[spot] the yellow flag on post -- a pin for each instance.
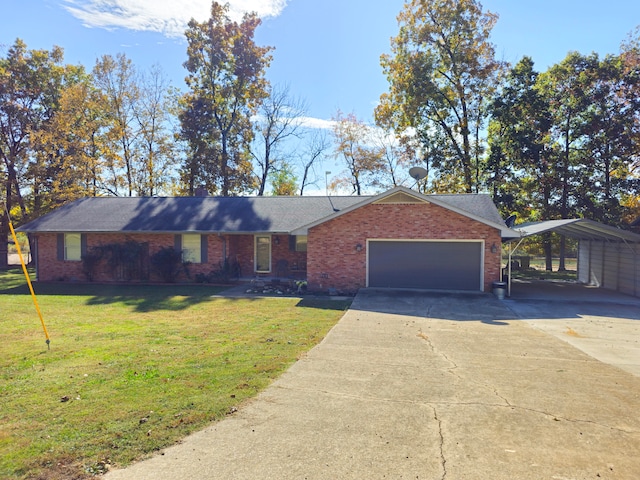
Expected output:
(26, 274)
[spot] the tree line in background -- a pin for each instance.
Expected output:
(546, 145)
(67, 133)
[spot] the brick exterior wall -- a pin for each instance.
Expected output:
(238, 247)
(333, 261)
(52, 269)
(284, 261)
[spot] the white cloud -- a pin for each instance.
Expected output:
(319, 123)
(304, 122)
(374, 135)
(169, 17)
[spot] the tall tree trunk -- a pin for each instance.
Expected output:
(466, 156)
(563, 245)
(129, 169)
(267, 166)
(225, 175)
(224, 157)
(4, 228)
(477, 156)
(4, 243)
(263, 179)
(564, 206)
(546, 242)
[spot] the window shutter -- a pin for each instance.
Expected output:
(60, 246)
(177, 242)
(204, 249)
(83, 245)
(292, 243)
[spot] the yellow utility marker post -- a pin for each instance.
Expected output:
(26, 274)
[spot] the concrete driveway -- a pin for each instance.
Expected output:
(425, 386)
(602, 323)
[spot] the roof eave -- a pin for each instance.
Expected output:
(164, 232)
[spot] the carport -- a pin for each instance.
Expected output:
(608, 257)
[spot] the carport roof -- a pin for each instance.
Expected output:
(580, 228)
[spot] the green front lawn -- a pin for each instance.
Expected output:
(133, 369)
(536, 270)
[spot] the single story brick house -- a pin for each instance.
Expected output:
(397, 239)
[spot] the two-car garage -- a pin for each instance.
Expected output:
(425, 264)
(406, 240)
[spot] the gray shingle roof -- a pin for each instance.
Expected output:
(188, 214)
(220, 214)
(479, 205)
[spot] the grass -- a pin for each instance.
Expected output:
(537, 270)
(133, 369)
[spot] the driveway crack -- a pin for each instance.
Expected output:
(504, 399)
(443, 459)
(454, 366)
(433, 403)
(443, 355)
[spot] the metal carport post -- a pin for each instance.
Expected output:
(521, 239)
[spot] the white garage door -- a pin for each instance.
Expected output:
(432, 265)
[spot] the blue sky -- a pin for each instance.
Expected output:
(326, 50)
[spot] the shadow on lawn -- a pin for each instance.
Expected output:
(150, 303)
(184, 301)
(143, 298)
(148, 298)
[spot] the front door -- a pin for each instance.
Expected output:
(263, 253)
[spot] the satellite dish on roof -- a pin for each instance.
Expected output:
(511, 220)
(418, 173)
